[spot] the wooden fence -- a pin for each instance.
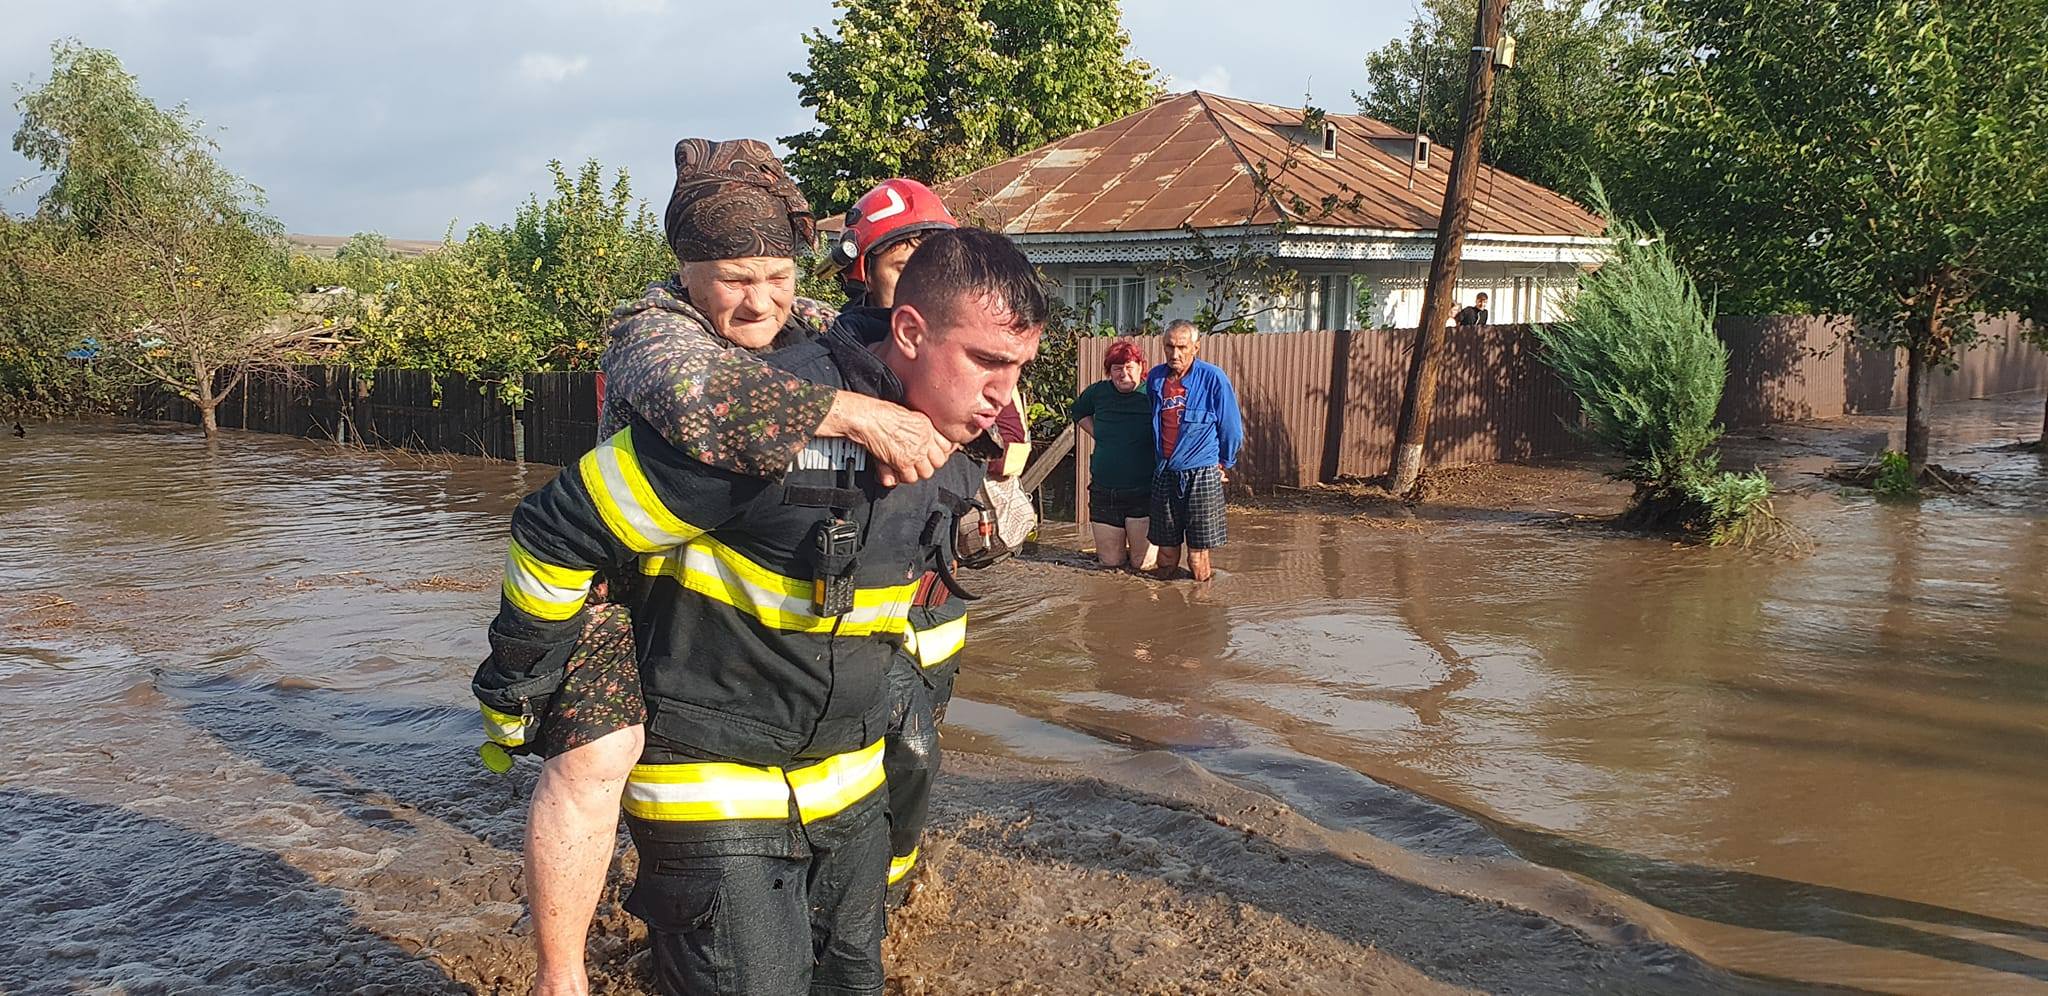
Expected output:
(408, 409)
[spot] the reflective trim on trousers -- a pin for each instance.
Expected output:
(717, 790)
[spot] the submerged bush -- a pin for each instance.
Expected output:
(1638, 349)
(1894, 477)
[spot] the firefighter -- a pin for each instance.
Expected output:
(883, 230)
(766, 616)
(681, 359)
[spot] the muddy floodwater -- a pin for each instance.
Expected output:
(238, 750)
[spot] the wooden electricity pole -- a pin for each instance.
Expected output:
(1437, 297)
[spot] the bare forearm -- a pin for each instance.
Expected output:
(902, 440)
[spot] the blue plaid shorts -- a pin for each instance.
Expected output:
(1187, 507)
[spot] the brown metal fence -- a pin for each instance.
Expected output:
(1320, 406)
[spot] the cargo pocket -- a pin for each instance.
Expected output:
(680, 902)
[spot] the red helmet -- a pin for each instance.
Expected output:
(895, 210)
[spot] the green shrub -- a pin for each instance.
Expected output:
(1638, 349)
(1894, 477)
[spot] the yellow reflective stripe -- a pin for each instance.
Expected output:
(731, 561)
(937, 645)
(709, 790)
(1015, 456)
(879, 610)
(712, 569)
(541, 589)
(779, 601)
(626, 502)
(717, 790)
(837, 782)
(503, 727)
(900, 866)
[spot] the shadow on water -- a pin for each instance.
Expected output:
(1326, 792)
(1763, 902)
(103, 898)
(379, 759)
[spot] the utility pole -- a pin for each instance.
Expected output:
(1437, 296)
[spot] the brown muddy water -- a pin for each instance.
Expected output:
(238, 733)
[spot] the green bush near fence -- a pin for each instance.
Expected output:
(1638, 349)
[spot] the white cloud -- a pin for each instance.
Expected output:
(1214, 79)
(394, 115)
(547, 67)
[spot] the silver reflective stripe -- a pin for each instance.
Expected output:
(628, 504)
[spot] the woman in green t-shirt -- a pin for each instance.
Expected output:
(1118, 413)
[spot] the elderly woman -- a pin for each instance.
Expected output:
(1118, 414)
(680, 360)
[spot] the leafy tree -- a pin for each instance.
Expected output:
(99, 138)
(45, 336)
(170, 258)
(1557, 117)
(933, 89)
(578, 255)
(458, 312)
(1886, 159)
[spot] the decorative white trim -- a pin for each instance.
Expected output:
(1114, 248)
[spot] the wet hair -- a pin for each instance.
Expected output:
(960, 263)
(913, 240)
(1121, 352)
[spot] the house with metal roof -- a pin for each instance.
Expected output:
(1188, 189)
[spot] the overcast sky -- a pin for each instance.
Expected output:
(404, 117)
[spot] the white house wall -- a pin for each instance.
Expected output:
(1519, 292)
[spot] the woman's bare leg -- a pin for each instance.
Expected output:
(1109, 544)
(1138, 531)
(572, 829)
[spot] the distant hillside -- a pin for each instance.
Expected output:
(326, 246)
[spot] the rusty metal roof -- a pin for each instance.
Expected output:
(1189, 159)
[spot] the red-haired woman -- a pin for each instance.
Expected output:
(1117, 412)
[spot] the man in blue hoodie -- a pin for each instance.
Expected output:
(1198, 429)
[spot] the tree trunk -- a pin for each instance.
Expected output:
(205, 397)
(1919, 408)
(1418, 397)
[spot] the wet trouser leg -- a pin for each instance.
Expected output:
(939, 679)
(806, 920)
(724, 924)
(849, 859)
(911, 759)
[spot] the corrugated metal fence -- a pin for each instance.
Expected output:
(1320, 406)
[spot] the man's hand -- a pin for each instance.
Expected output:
(1223, 472)
(905, 442)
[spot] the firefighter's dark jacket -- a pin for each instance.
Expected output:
(737, 661)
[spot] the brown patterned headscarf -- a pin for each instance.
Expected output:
(732, 200)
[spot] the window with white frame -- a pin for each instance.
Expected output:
(1333, 301)
(1114, 299)
(1528, 306)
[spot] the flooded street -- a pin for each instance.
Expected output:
(240, 744)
